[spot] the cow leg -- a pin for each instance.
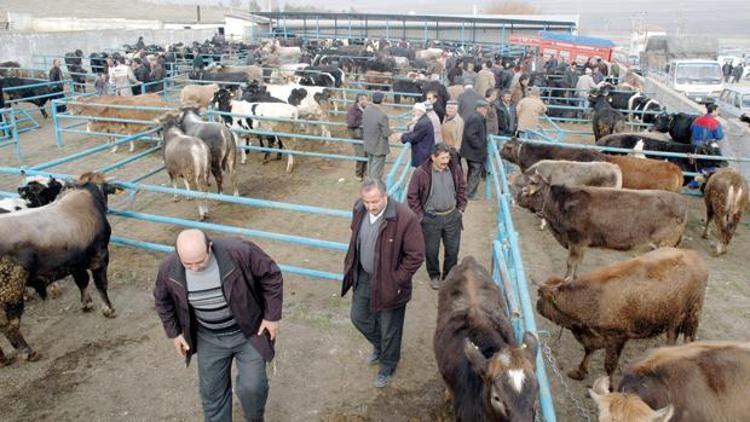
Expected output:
(112, 140)
(580, 373)
(612, 356)
(709, 218)
(243, 160)
(280, 144)
(11, 327)
(81, 277)
(575, 255)
(217, 172)
(173, 182)
(13, 280)
(289, 163)
(201, 185)
(101, 282)
(263, 144)
(542, 223)
(44, 112)
(132, 146)
(187, 187)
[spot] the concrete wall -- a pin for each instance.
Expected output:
(22, 46)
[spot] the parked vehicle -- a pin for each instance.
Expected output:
(698, 79)
(734, 101)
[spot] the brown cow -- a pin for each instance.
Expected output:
(489, 376)
(645, 173)
(619, 219)
(379, 79)
(701, 381)
(726, 197)
(108, 108)
(661, 291)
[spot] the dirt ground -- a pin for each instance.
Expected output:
(125, 369)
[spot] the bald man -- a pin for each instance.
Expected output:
(222, 300)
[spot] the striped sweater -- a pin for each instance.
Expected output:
(207, 299)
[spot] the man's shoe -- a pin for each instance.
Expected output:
(383, 379)
(373, 358)
(435, 283)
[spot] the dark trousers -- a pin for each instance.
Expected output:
(360, 168)
(215, 355)
(448, 229)
(473, 176)
(382, 329)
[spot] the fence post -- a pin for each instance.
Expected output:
(56, 123)
(14, 133)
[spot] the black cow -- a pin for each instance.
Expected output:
(23, 93)
(229, 80)
(676, 124)
(406, 86)
(527, 154)
(606, 120)
(75, 68)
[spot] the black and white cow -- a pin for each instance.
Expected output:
(327, 76)
(643, 109)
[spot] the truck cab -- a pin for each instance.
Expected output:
(698, 79)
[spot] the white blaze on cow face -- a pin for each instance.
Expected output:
(637, 148)
(517, 377)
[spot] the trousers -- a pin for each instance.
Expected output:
(473, 176)
(382, 329)
(376, 166)
(215, 355)
(448, 229)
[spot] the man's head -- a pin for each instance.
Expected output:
(374, 196)
(56, 62)
(451, 108)
(505, 96)
(712, 109)
(194, 249)
(481, 107)
(377, 97)
(431, 97)
(490, 95)
(418, 110)
(587, 71)
(488, 64)
(441, 156)
(362, 100)
(534, 91)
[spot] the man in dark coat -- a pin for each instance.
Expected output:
(56, 75)
(354, 126)
(375, 132)
(474, 147)
(467, 100)
(437, 195)
(507, 119)
(385, 250)
(157, 74)
(222, 300)
(421, 137)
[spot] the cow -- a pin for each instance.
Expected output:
(73, 61)
(645, 142)
(643, 109)
(645, 173)
(29, 95)
(312, 102)
(490, 377)
(41, 245)
(678, 125)
(581, 217)
(606, 120)
(10, 69)
(328, 76)
(406, 86)
(726, 197)
(700, 381)
(221, 143)
(660, 291)
(230, 80)
(108, 108)
(254, 73)
(9, 205)
(526, 154)
(185, 157)
(38, 191)
(270, 110)
(378, 81)
(198, 95)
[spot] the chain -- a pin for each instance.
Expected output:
(583, 412)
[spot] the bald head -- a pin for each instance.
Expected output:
(193, 249)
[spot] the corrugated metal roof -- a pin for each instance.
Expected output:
(576, 39)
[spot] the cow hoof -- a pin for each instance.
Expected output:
(577, 374)
(31, 356)
(87, 307)
(114, 149)
(109, 312)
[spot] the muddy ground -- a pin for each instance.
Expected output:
(125, 369)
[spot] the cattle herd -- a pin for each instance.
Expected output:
(585, 197)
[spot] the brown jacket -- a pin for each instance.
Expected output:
(420, 185)
(454, 91)
(252, 285)
(530, 110)
(517, 93)
(399, 254)
(453, 131)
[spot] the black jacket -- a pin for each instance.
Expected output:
(506, 125)
(474, 141)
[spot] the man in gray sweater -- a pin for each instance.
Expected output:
(375, 133)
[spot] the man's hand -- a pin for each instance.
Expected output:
(271, 326)
(181, 345)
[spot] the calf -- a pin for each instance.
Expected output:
(581, 217)
(726, 197)
(29, 95)
(39, 190)
(526, 154)
(489, 376)
(221, 142)
(41, 245)
(198, 95)
(701, 381)
(185, 157)
(661, 291)
(645, 173)
(406, 86)
(606, 120)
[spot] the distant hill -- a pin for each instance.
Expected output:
(132, 9)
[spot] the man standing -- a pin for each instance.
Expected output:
(354, 125)
(530, 110)
(435, 120)
(437, 195)
(707, 128)
(56, 75)
(571, 76)
(453, 126)
(485, 79)
(385, 250)
(121, 76)
(222, 300)
(507, 121)
(421, 137)
(467, 100)
(375, 133)
(491, 118)
(726, 70)
(584, 85)
(474, 147)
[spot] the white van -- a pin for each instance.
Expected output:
(698, 79)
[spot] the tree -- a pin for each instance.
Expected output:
(510, 8)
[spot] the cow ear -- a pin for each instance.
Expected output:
(664, 414)
(475, 357)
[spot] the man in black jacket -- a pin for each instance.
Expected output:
(507, 120)
(56, 75)
(474, 147)
(354, 125)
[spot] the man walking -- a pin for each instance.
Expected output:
(437, 195)
(385, 250)
(375, 133)
(474, 147)
(354, 125)
(222, 300)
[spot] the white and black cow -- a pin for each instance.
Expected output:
(327, 76)
(639, 107)
(312, 102)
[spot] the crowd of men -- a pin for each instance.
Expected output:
(732, 73)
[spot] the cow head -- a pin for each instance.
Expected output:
(510, 150)
(222, 99)
(322, 98)
(625, 407)
(662, 122)
(98, 185)
(510, 388)
(38, 191)
(296, 96)
(531, 189)
(547, 298)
